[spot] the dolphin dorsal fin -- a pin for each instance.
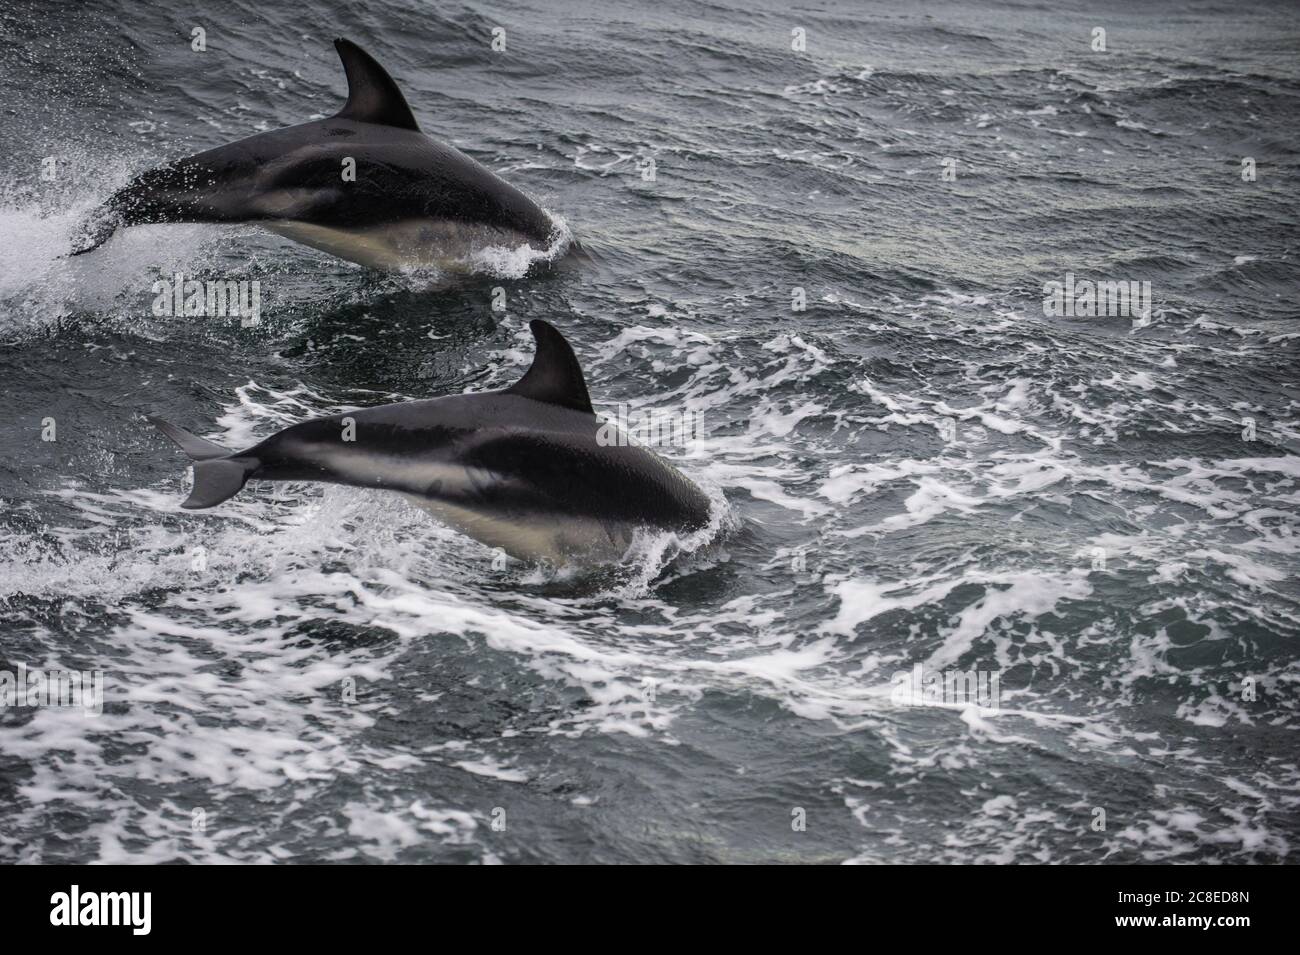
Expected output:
(555, 375)
(373, 97)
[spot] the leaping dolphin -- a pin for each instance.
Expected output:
(365, 185)
(530, 469)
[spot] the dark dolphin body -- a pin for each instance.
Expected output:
(530, 469)
(413, 202)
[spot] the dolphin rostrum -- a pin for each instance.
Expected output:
(365, 185)
(530, 469)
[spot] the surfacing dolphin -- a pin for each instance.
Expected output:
(530, 469)
(413, 202)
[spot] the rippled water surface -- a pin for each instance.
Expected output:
(920, 468)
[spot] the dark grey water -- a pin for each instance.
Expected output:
(921, 468)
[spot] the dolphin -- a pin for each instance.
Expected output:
(529, 469)
(365, 185)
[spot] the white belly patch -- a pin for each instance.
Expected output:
(556, 540)
(414, 243)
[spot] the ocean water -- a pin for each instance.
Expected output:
(922, 468)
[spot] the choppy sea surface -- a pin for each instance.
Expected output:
(920, 469)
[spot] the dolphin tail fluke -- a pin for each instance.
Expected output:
(217, 475)
(217, 481)
(199, 449)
